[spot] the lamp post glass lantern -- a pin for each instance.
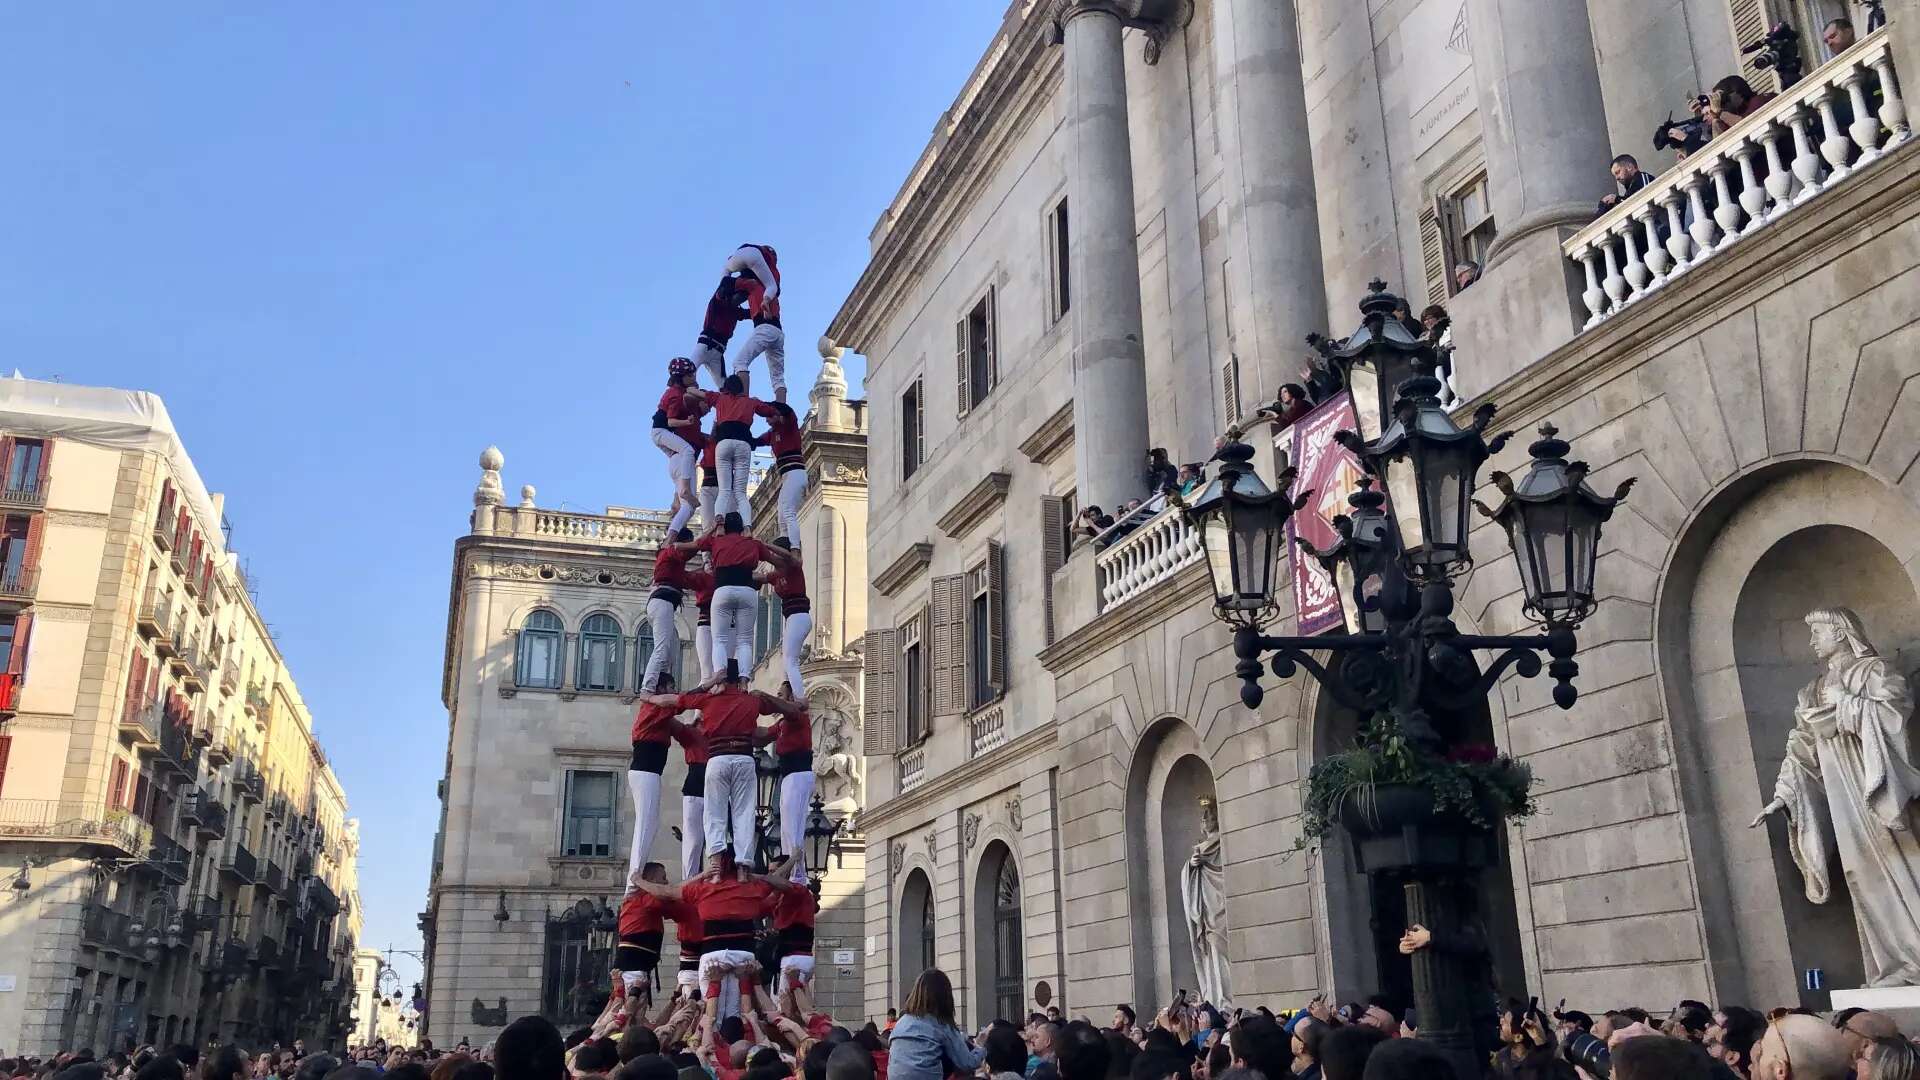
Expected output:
(1552, 519)
(1375, 360)
(820, 835)
(1242, 527)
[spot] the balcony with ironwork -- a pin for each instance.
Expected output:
(240, 865)
(177, 755)
(229, 678)
(321, 895)
(140, 723)
(256, 699)
(27, 491)
(155, 615)
(220, 748)
(105, 929)
(74, 822)
(204, 812)
(274, 878)
(252, 785)
(267, 953)
(166, 641)
(19, 582)
(278, 807)
(191, 668)
(204, 597)
(167, 858)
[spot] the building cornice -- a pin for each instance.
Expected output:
(1054, 434)
(968, 510)
(910, 804)
(1141, 612)
(904, 569)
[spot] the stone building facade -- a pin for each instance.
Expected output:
(535, 825)
(178, 845)
(1119, 236)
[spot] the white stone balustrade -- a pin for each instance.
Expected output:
(1622, 253)
(586, 528)
(986, 730)
(1157, 548)
(913, 768)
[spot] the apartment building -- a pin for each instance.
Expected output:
(178, 848)
(1118, 238)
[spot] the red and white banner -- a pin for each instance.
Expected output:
(1331, 472)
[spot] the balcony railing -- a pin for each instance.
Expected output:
(913, 768)
(101, 927)
(167, 858)
(1158, 546)
(29, 494)
(240, 865)
(986, 730)
(229, 678)
(19, 582)
(220, 750)
(274, 879)
(253, 786)
(191, 669)
(55, 819)
(592, 528)
(322, 896)
(140, 722)
(203, 811)
(176, 753)
(1754, 175)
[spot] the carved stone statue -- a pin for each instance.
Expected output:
(1849, 783)
(1203, 890)
(837, 765)
(488, 491)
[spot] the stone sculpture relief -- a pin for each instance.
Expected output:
(1203, 890)
(1848, 785)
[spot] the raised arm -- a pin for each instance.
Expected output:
(655, 889)
(751, 258)
(771, 704)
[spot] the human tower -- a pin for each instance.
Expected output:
(720, 899)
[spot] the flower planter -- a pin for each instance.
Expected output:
(1394, 829)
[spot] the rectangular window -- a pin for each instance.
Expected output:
(13, 548)
(913, 435)
(986, 634)
(913, 669)
(117, 790)
(979, 691)
(23, 466)
(1060, 278)
(975, 354)
(1466, 222)
(588, 829)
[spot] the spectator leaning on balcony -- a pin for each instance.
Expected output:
(1733, 100)
(1839, 36)
(1628, 177)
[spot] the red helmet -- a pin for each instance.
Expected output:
(679, 366)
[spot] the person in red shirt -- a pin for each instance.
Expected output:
(733, 413)
(793, 913)
(725, 309)
(671, 580)
(686, 926)
(652, 729)
(729, 898)
(759, 268)
(792, 739)
(709, 479)
(789, 581)
(693, 797)
(783, 438)
(670, 421)
(734, 556)
(729, 720)
(641, 929)
(703, 586)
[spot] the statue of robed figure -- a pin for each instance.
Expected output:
(1203, 890)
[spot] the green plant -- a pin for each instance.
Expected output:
(1474, 783)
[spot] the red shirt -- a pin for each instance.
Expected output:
(723, 311)
(650, 724)
(670, 568)
(674, 403)
(738, 408)
(758, 306)
(733, 549)
(692, 743)
(793, 734)
(793, 907)
(789, 580)
(725, 714)
(727, 900)
(641, 914)
(782, 437)
(707, 461)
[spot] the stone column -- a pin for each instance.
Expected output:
(1544, 131)
(1269, 169)
(1903, 31)
(1109, 360)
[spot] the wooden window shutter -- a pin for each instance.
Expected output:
(1053, 550)
(1433, 255)
(947, 621)
(996, 618)
(881, 693)
(137, 680)
(6, 748)
(22, 635)
(36, 534)
(960, 363)
(6, 457)
(1751, 20)
(1230, 388)
(46, 465)
(993, 337)
(919, 422)
(117, 791)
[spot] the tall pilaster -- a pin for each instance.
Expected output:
(1268, 156)
(1109, 359)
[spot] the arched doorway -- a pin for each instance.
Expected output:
(999, 946)
(1366, 916)
(1166, 788)
(916, 947)
(1731, 619)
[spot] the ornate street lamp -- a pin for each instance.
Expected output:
(1374, 360)
(821, 837)
(1243, 527)
(1552, 519)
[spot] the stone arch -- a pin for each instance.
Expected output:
(914, 950)
(1758, 552)
(1170, 772)
(999, 940)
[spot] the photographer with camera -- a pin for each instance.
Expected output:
(1685, 136)
(1732, 100)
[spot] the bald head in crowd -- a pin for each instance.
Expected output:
(1860, 1029)
(1803, 1048)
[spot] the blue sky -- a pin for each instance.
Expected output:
(351, 245)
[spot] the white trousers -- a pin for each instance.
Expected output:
(645, 787)
(749, 258)
(771, 340)
(793, 638)
(732, 460)
(733, 798)
(693, 835)
(796, 971)
(733, 607)
(680, 466)
(796, 796)
(709, 498)
(712, 361)
(666, 641)
(793, 491)
(730, 1000)
(703, 650)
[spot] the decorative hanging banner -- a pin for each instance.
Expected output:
(1331, 472)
